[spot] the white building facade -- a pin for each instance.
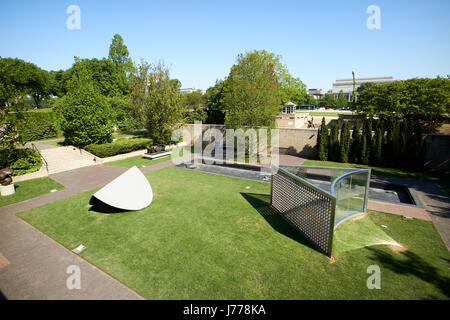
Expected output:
(346, 85)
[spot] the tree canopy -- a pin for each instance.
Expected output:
(155, 101)
(423, 99)
(119, 55)
(193, 100)
(86, 114)
(328, 101)
(18, 77)
(252, 92)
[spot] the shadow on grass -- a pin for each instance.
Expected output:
(412, 264)
(101, 207)
(261, 202)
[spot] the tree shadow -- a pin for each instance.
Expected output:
(261, 202)
(412, 265)
(101, 207)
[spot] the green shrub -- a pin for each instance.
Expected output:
(344, 147)
(20, 160)
(37, 124)
(366, 142)
(355, 149)
(333, 143)
(196, 115)
(118, 147)
(323, 141)
(87, 117)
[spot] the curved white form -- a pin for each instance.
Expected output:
(129, 191)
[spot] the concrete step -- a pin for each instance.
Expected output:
(66, 158)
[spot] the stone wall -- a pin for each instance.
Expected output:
(299, 142)
(303, 143)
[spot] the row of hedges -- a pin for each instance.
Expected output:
(118, 147)
(37, 124)
(396, 143)
(20, 160)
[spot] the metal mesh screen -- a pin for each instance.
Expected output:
(307, 209)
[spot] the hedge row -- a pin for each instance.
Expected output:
(20, 160)
(37, 124)
(118, 147)
(396, 143)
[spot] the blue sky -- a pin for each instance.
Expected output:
(319, 41)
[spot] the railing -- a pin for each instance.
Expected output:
(35, 149)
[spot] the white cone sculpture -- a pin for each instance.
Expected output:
(129, 191)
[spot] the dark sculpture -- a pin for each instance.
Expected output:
(156, 148)
(5, 176)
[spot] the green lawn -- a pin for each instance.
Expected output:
(30, 189)
(116, 135)
(129, 134)
(138, 161)
(207, 236)
(324, 113)
(56, 142)
(443, 178)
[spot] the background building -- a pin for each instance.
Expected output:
(190, 90)
(346, 85)
(316, 93)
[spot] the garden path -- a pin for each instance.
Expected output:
(34, 266)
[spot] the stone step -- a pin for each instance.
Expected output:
(66, 158)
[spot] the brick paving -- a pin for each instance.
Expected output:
(37, 264)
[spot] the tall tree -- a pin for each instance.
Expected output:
(366, 143)
(344, 146)
(214, 104)
(333, 143)
(252, 92)
(355, 150)
(119, 55)
(176, 84)
(26, 78)
(422, 99)
(86, 114)
(193, 100)
(341, 101)
(328, 101)
(377, 146)
(155, 101)
(323, 141)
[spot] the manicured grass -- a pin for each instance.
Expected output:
(443, 178)
(57, 142)
(30, 189)
(138, 161)
(324, 113)
(207, 236)
(129, 134)
(116, 135)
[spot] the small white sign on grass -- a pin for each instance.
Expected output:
(78, 249)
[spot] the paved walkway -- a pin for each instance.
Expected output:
(33, 266)
(435, 200)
